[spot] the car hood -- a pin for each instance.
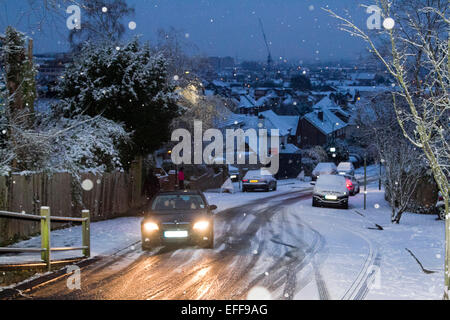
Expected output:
(177, 216)
(330, 189)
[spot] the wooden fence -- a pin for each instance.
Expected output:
(113, 195)
(45, 220)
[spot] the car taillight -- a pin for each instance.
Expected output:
(441, 198)
(349, 185)
(245, 180)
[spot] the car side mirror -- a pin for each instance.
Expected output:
(212, 207)
(313, 183)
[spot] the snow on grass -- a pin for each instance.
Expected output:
(107, 237)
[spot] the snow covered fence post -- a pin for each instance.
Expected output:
(86, 226)
(45, 236)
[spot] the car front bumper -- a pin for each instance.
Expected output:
(340, 201)
(192, 236)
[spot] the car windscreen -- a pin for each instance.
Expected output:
(258, 174)
(325, 167)
(178, 202)
(330, 180)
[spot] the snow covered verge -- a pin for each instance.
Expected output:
(356, 247)
(107, 237)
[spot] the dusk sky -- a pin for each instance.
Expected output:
(297, 29)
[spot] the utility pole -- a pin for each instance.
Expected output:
(379, 178)
(365, 181)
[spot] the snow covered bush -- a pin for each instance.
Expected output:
(311, 157)
(83, 144)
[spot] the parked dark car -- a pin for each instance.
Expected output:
(259, 180)
(352, 184)
(178, 217)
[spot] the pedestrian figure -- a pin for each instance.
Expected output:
(151, 185)
(181, 178)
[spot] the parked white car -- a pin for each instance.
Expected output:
(346, 168)
(330, 190)
(323, 168)
(259, 180)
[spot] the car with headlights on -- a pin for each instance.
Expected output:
(260, 179)
(178, 217)
(234, 174)
(330, 190)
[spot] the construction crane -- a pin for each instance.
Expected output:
(269, 57)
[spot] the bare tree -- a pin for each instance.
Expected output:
(101, 22)
(424, 88)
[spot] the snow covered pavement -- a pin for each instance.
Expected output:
(382, 257)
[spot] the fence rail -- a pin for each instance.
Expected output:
(45, 220)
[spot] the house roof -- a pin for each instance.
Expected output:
(283, 123)
(330, 122)
(247, 101)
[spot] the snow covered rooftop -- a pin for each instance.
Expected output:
(330, 122)
(283, 123)
(247, 101)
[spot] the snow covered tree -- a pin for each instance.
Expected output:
(18, 98)
(82, 144)
(20, 72)
(402, 173)
(126, 84)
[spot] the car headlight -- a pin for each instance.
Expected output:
(201, 225)
(150, 226)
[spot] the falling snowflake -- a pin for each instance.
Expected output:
(389, 23)
(377, 206)
(87, 185)
(132, 25)
(104, 9)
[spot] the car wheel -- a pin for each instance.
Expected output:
(441, 212)
(314, 204)
(146, 246)
(275, 188)
(345, 206)
(244, 190)
(210, 243)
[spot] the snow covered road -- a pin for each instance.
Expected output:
(275, 245)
